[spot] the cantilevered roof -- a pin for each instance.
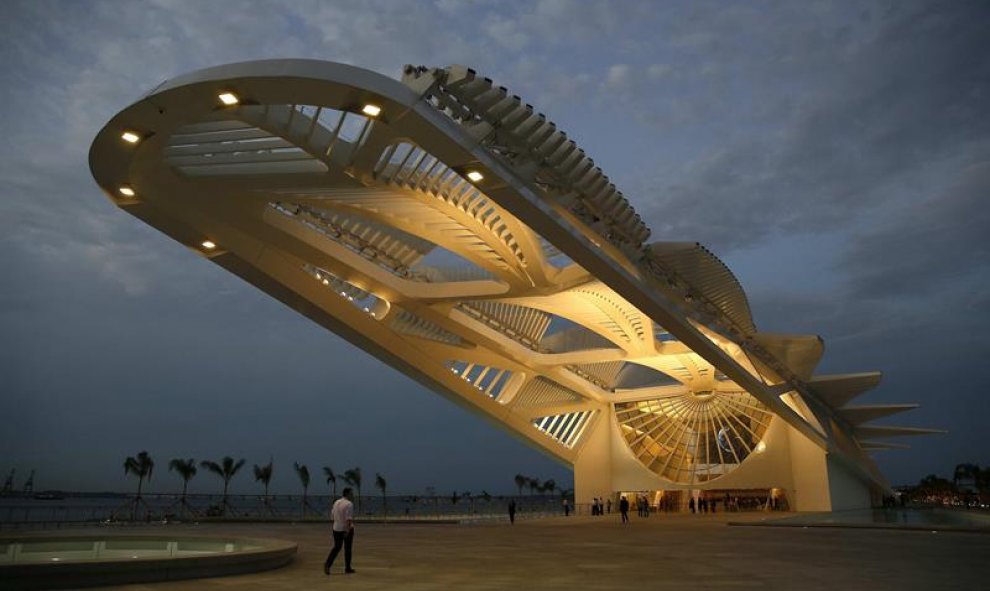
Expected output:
(452, 230)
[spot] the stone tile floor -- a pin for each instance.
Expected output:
(661, 552)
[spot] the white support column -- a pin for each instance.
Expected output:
(593, 467)
(809, 473)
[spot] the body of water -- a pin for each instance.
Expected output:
(910, 517)
(70, 508)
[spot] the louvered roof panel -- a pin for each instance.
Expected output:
(470, 98)
(709, 276)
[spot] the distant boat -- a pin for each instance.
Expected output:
(49, 496)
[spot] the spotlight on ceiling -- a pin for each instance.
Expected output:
(228, 98)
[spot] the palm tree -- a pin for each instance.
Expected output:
(141, 466)
(353, 477)
(549, 486)
(381, 485)
(226, 469)
(521, 482)
(186, 470)
(533, 484)
(303, 473)
(263, 474)
(331, 477)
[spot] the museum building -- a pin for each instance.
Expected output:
(451, 230)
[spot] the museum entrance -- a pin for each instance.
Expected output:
(737, 500)
(708, 501)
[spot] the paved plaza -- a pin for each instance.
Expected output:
(662, 552)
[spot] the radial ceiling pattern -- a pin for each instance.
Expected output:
(449, 228)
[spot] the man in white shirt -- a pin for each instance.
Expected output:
(342, 516)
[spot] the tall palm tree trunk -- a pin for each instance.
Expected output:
(268, 504)
(182, 502)
(223, 503)
(137, 499)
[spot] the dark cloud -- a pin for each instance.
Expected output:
(927, 248)
(852, 136)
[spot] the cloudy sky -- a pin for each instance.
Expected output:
(835, 154)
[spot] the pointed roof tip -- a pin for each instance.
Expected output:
(868, 431)
(903, 405)
(860, 375)
(837, 390)
(859, 414)
(799, 352)
(881, 445)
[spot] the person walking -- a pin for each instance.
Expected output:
(342, 516)
(512, 511)
(624, 509)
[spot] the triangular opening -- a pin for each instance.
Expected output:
(634, 375)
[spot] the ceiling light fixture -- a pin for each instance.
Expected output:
(228, 98)
(371, 110)
(126, 191)
(209, 244)
(130, 137)
(474, 176)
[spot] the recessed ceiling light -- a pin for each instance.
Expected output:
(130, 137)
(475, 176)
(129, 192)
(228, 98)
(371, 110)
(209, 244)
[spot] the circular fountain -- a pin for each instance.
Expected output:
(47, 561)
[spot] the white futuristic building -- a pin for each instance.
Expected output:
(448, 228)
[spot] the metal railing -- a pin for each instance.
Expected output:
(80, 510)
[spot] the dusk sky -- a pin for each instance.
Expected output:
(836, 155)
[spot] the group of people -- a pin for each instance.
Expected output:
(342, 515)
(642, 507)
(705, 504)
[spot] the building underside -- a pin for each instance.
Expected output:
(446, 227)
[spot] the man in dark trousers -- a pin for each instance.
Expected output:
(624, 509)
(342, 515)
(512, 511)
